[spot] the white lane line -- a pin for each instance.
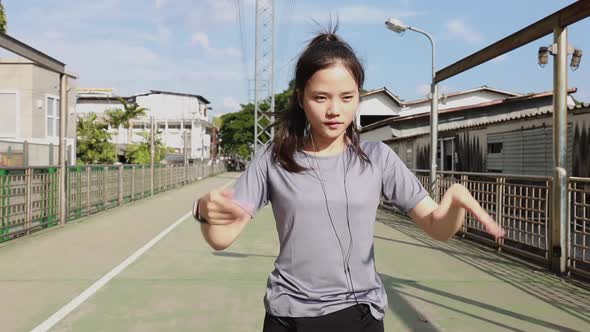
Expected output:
(68, 308)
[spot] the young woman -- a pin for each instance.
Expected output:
(325, 186)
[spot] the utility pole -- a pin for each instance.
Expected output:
(152, 153)
(264, 72)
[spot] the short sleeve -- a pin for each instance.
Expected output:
(400, 186)
(251, 188)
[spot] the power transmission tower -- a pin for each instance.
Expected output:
(264, 73)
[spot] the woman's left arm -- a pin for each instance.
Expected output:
(442, 221)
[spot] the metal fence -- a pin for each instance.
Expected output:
(522, 205)
(579, 230)
(29, 197)
(26, 154)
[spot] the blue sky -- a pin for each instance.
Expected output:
(194, 46)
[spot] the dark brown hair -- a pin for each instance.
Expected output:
(324, 50)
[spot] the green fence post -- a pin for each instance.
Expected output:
(52, 214)
(5, 210)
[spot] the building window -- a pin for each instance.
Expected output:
(52, 108)
(9, 110)
(495, 147)
(138, 125)
(162, 125)
(445, 154)
(174, 125)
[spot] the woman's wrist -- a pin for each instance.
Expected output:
(197, 214)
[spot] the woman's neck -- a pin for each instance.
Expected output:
(324, 147)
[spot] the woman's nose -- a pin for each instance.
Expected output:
(334, 109)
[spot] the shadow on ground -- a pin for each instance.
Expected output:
(535, 281)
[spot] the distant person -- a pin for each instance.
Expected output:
(325, 185)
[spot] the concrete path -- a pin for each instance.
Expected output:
(180, 284)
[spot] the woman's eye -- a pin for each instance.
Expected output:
(348, 98)
(320, 98)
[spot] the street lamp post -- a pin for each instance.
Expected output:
(559, 225)
(399, 27)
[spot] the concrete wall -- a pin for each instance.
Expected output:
(16, 87)
(377, 135)
(97, 107)
(535, 161)
(32, 85)
(46, 84)
(378, 104)
(165, 106)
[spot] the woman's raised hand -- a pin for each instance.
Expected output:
(218, 208)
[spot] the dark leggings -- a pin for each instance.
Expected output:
(352, 319)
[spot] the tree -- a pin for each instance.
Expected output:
(140, 153)
(93, 145)
(217, 122)
(237, 129)
(2, 19)
(117, 116)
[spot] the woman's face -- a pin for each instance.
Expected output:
(330, 101)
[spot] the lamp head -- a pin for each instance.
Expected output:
(543, 55)
(396, 25)
(576, 57)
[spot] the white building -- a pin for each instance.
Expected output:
(482, 94)
(174, 113)
(380, 104)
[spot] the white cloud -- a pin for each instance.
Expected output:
(164, 33)
(203, 13)
(357, 14)
(130, 58)
(202, 39)
(161, 3)
(457, 29)
(230, 104)
(223, 10)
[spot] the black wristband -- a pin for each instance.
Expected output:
(196, 213)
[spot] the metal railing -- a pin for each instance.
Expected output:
(29, 197)
(579, 230)
(522, 205)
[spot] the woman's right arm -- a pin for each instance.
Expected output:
(228, 212)
(225, 219)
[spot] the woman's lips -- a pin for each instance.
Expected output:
(333, 125)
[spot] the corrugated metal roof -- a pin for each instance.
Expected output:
(458, 93)
(461, 108)
(387, 92)
(579, 105)
(480, 121)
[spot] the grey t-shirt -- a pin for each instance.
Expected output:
(309, 278)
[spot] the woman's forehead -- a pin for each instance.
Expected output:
(332, 79)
